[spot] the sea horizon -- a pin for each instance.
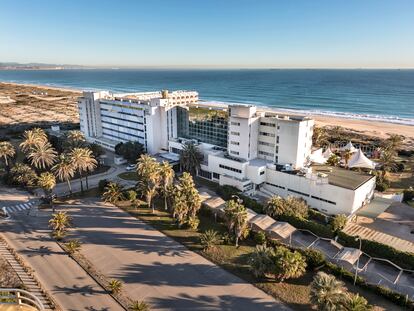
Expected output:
(385, 95)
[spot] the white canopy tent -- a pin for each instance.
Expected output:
(328, 152)
(349, 146)
(359, 159)
(317, 157)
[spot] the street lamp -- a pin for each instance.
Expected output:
(235, 196)
(358, 238)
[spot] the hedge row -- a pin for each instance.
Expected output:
(324, 231)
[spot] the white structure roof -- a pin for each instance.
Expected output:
(281, 229)
(349, 255)
(214, 203)
(317, 157)
(262, 222)
(359, 159)
(349, 146)
(250, 214)
(328, 152)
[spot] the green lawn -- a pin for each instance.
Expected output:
(295, 293)
(129, 176)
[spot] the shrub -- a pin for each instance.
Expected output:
(408, 195)
(338, 222)
(139, 306)
(314, 258)
(209, 239)
(130, 195)
(382, 186)
(318, 216)
(193, 222)
(72, 246)
(288, 264)
(260, 238)
(261, 261)
(102, 184)
(226, 192)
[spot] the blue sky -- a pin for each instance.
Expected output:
(210, 33)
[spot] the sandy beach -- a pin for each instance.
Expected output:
(59, 97)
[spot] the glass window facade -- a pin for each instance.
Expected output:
(205, 125)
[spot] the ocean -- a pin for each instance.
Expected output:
(383, 95)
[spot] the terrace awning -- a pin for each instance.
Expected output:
(359, 159)
(281, 229)
(349, 147)
(328, 152)
(317, 157)
(261, 222)
(349, 254)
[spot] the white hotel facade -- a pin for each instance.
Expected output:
(259, 152)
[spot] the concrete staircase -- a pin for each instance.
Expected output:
(28, 280)
(370, 234)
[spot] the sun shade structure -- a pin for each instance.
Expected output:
(317, 157)
(349, 147)
(250, 214)
(261, 222)
(215, 204)
(359, 159)
(349, 255)
(281, 230)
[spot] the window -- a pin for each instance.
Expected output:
(234, 152)
(277, 186)
(235, 143)
(278, 127)
(266, 153)
(268, 124)
(277, 139)
(277, 149)
(264, 143)
(277, 159)
(262, 173)
(267, 134)
(235, 123)
(216, 176)
(324, 200)
(235, 133)
(204, 174)
(230, 168)
(298, 192)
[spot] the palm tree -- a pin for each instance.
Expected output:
(180, 207)
(113, 193)
(191, 197)
(347, 155)
(327, 293)
(288, 264)
(64, 169)
(42, 155)
(275, 206)
(47, 182)
(190, 158)
(90, 164)
(387, 161)
(236, 215)
(166, 177)
(59, 223)
(75, 139)
(149, 178)
(7, 151)
(356, 303)
(115, 286)
(82, 161)
(333, 160)
(261, 260)
(73, 246)
(31, 138)
(392, 143)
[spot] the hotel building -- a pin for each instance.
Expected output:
(260, 152)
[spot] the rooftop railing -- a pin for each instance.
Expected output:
(20, 297)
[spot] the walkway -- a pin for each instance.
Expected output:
(156, 268)
(71, 287)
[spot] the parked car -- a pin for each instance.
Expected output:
(130, 167)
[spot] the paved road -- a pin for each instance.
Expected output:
(73, 289)
(156, 268)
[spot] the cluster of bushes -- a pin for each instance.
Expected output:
(408, 195)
